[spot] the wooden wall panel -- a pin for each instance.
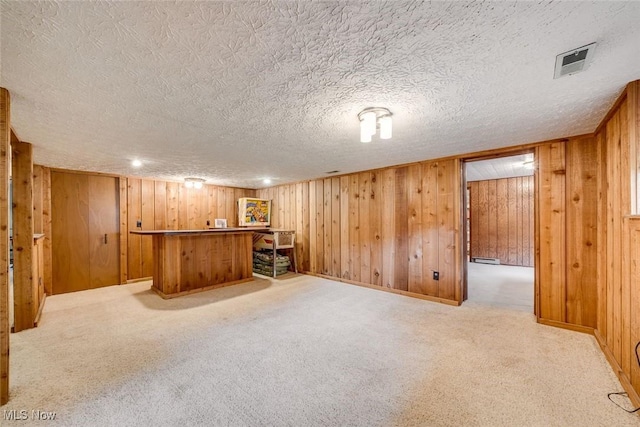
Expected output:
(401, 267)
(42, 218)
(327, 265)
(388, 227)
(500, 216)
(354, 228)
(364, 228)
(448, 201)
(430, 244)
(551, 184)
(170, 205)
(582, 228)
(415, 230)
(375, 228)
(134, 217)
(383, 228)
(633, 233)
(335, 206)
(617, 149)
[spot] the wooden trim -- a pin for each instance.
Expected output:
(24, 299)
(613, 110)
(124, 227)
(633, 111)
(40, 309)
(60, 170)
(195, 291)
(385, 289)
(5, 138)
(622, 377)
(140, 279)
(569, 326)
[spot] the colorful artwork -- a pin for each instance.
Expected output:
(255, 212)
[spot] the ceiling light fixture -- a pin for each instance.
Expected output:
(372, 119)
(266, 181)
(136, 163)
(193, 182)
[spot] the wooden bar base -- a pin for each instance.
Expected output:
(188, 261)
(195, 291)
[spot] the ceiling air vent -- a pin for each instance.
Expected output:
(574, 61)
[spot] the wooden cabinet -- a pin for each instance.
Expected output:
(85, 231)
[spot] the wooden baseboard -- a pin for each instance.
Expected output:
(385, 289)
(569, 326)
(141, 279)
(624, 379)
(37, 319)
(195, 291)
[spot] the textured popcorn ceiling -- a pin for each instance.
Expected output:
(502, 167)
(237, 91)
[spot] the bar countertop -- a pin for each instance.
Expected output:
(203, 231)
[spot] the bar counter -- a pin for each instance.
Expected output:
(188, 261)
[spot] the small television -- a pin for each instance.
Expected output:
(254, 212)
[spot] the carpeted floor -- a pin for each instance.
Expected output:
(501, 286)
(303, 352)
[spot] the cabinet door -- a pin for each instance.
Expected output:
(69, 232)
(104, 232)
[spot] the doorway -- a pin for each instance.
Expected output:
(499, 225)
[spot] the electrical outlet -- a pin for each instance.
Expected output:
(139, 224)
(436, 275)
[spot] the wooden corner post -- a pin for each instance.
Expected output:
(5, 137)
(24, 295)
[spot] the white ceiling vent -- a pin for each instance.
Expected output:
(574, 61)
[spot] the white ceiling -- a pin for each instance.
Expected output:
(501, 167)
(237, 91)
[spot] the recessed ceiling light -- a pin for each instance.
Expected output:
(266, 181)
(136, 163)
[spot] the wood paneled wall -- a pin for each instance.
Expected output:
(42, 219)
(501, 220)
(160, 205)
(390, 228)
(618, 328)
(568, 245)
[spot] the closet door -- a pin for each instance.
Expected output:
(69, 232)
(104, 232)
(84, 231)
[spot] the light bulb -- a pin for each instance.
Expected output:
(385, 127)
(365, 136)
(188, 184)
(197, 184)
(368, 123)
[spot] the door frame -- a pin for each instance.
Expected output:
(464, 226)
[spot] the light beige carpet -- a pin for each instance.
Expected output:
(303, 352)
(501, 286)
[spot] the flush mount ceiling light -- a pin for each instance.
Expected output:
(193, 182)
(372, 119)
(136, 163)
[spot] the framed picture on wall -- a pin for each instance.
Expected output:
(220, 223)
